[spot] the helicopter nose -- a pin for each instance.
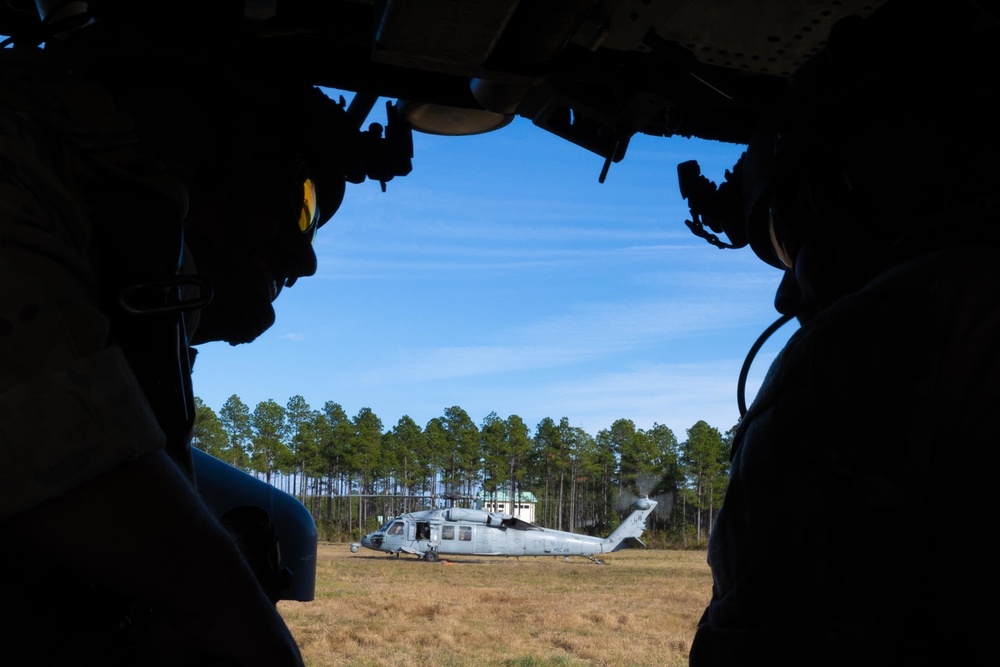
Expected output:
(373, 541)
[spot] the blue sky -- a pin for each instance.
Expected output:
(501, 276)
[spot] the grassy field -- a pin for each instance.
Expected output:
(638, 610)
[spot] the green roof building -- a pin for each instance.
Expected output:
(523, 506)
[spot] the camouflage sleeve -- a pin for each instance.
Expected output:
(70, 406)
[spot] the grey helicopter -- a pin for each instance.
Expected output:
(431, 534)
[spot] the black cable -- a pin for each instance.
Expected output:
(741, 386)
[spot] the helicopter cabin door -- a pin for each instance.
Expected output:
(423, 531)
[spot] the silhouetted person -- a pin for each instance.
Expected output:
(152, 194)
(854, 526)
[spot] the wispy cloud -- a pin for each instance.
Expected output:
(582, 334)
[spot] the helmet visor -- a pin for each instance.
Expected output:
(308, 209)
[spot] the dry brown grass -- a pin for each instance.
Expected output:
(376, 610)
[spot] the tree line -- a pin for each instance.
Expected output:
(352, 472)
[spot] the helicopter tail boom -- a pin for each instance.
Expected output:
(628, 533)
(630, 543)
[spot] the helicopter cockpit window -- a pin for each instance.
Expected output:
(447, 532)
(464, 533)
(396, 528)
